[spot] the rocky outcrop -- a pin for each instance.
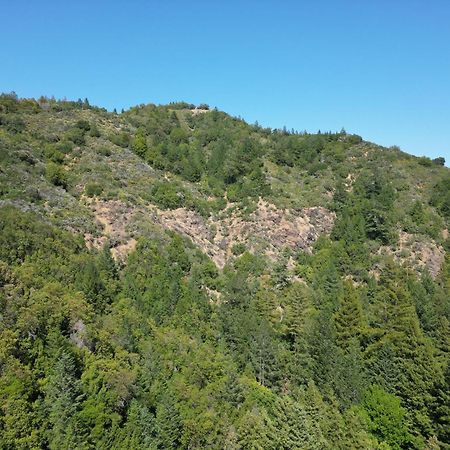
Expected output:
(417, 252)
(268, 230)
(113, 216)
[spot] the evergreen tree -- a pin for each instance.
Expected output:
(441, 409)
(168, 424)
(349, 319)
(62, 398)
(138, 431)
(294, 430)
(323, 349)
(414, 368)
(255, 431)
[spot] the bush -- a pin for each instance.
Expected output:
(238, 249)
(168, 195)
(65, 146)
(104, 151)
(83, 125)
(93, 189)
(94, 131)
(424, 161)
(439, 161)
(56, 175)
(13, 124)
(121, 139)
(353, 139)
(76, 135)
(440, 197)
(52, 153)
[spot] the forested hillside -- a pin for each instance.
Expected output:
(172, 277)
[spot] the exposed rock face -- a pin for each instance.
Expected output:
(417, 253)
(113, 216)
(267, 229)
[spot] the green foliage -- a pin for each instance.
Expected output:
(238, 249)
(349, 319)
(139, 142)
(13, 124)
(93, 189)
(62, 398)
(121, 139)
(440, 161)
(329, 346)
(83, 125)
(440, 197)
(56, 174)
(54, 154)
(168, 195)
(94, 131)
(386, 418)
(425, 161)
(76, 135)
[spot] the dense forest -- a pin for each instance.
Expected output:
(172, 277)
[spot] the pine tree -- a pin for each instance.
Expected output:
(62, 397)
(441, 408)
(413, 369)
(299, 311)
(323, 349)
(295, 430)
(349, 381)
(168, 424)
(90, 283)
(349, 319)
(256, 431)
(138, 432)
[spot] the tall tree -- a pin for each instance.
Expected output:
(62, 398)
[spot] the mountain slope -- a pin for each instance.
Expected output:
(173, 277)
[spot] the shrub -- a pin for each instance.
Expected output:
(104, 151)
(238, 249)
(93, 189)
(120, 139)
(56, 174)
(168, 195)
(76, 135)
(13, 124)
(65, 146)
(83, 125)
(424, 161)
(439, 161)
(52, 153)
(94, 131)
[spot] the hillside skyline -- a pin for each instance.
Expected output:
(377, 70)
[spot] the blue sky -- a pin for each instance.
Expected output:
(379, 68)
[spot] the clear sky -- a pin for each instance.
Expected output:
(379, 68)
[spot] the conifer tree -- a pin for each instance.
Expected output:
(138, 432)
(62, 397)
(256, 431)
(168, 424)
(349, 319)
